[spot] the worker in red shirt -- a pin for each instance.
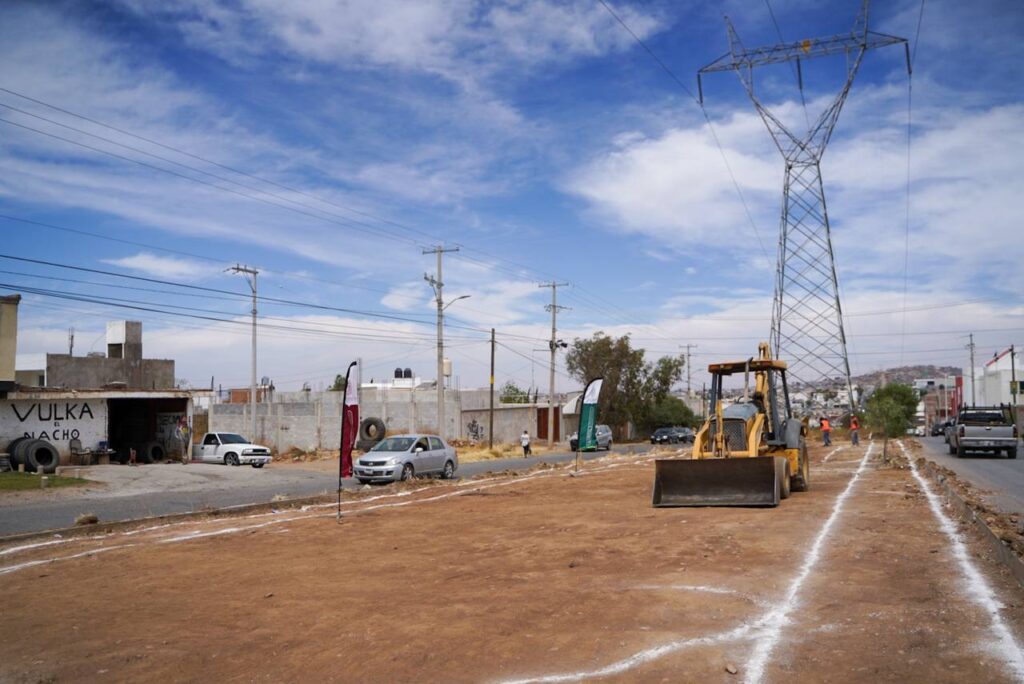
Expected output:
(854, 430)
(826, 431)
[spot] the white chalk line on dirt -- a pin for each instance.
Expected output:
(236, 529)
(978, 588)
(34, 563)
(766, 628)
(831, 454)
(778, 617)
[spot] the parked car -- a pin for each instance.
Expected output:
(687, 435)
(404, 456)
(665, 436)
(987, 428)
(939, 427)
(231, 449)
(603, 435)
(672, 435)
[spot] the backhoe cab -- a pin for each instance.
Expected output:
(752, 452)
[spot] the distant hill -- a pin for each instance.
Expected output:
(905, 374)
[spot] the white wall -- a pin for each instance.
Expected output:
(56, 421)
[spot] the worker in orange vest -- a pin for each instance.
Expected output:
(854, 430)
(826, 431)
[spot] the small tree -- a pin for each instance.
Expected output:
(339, 384)
(670, 411)
(511, 393)
(891, 409)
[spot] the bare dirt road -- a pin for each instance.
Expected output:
(529, 577)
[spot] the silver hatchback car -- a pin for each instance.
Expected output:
(404, 456)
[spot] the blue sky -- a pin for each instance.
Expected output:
(536, 135)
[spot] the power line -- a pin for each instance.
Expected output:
(277, 300)
(707, 118)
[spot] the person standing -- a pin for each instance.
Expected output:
(524, 439)
(854, 430)
(826, 431)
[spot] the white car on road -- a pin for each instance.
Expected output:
(231, 449)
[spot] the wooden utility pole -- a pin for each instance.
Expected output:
(554, 308)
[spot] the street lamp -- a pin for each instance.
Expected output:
(455, 300)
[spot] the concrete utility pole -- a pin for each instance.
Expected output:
(71, 341)
(688, 346)
(554, 344)
(490, 426)
(970, 345)
(250, 277)
(438, 285)
(1013, 374)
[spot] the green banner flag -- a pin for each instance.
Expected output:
(587, 436)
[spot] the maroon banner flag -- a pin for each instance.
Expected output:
(350, 416)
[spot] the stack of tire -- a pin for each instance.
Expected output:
(35, 454)
(371, 431)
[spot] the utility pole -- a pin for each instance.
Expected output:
(554, 344)
(970, 345)
(688, 346)
(438, 285)
(250, 277)
(1013, 374)
(71, 341)
(490, 426)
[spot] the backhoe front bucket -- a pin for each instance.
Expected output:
(716, 482)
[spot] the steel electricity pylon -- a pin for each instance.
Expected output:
(807, 319)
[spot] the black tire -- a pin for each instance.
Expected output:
(372, 430)
(449, 471)
(14, 451)
(1011, 452)
(609, 447)
(782, 475)
(231, 459)
(801, 482)
(142, 454)
(258, 465)
(952, 449)
(154, 451)
(408, 472)
(961, 452)
(41, 456)
(363, 480)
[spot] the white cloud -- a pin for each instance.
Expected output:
(675, 187)
(164, 267)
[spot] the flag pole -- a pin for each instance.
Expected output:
(341, 446)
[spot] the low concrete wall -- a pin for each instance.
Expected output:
(312, 420)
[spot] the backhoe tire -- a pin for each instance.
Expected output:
(782, 470)
(801, 482)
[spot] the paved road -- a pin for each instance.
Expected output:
(1001, 476)
(183, 489)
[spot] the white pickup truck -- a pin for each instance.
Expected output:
(988, 428)
(231, 449)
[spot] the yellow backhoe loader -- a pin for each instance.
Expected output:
(752, 452)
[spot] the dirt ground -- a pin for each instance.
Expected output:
(526, 577)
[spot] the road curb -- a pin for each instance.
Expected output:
(86, 530)
(1003, 553)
